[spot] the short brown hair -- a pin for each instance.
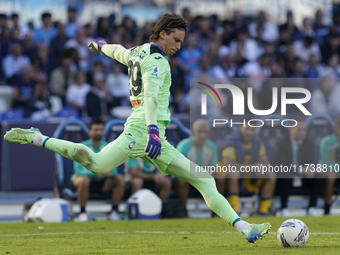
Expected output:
(168, 22)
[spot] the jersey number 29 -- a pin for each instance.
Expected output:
(135, 77)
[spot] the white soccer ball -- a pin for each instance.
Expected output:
(293, 233)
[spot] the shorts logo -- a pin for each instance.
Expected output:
(155, 71)
(132, 144)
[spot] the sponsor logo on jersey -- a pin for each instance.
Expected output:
(135, 103)
(155, 71)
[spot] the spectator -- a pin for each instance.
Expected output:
(47, 32)
(269, 33)
(186, 13)
(4, 42)
(102, 28)
(229, 66)
(15, 33)
(79, 43)
(57, 45)
(307, 28)
(205, 34)
(189, 57)
(258, 70)
(330, 47)
(39, 106)
(146, 176)
(6, 94)
(238, 21)
(23, 29)
(325, 99)
(89, 32)
(39, 73)
(29, 47)
(314, 69)
(332, 70)
(147, 31)
(14, 62)
(228, 32)
(200, 150)
(305, 48)
(288, 59)
(23, 86)
(97, 67)
(330, 155)
(61, 78)
(117, 83)
(72, 53)
(43, 56)
(288, 30)
(3, 21)
(320, 29)
(245, 46)
(216, 52)
(298, 69)
(130, 28)
(98, 100)
(85, 181)
(297, 151)
(71, 25)
(177, 75)
(76, 93)
(244, 149)
(205, 70)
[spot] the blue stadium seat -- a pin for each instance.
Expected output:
(12, 115)
(318, 126)
(271, 135)
(67, 113)
(75, 131)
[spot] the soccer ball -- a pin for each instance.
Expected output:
(293, 233)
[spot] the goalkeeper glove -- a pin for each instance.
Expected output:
(97, 46)
(154, 145)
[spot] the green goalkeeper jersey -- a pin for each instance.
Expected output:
(150, 81)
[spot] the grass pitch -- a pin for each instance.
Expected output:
(178, 236)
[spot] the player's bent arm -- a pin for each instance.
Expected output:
(117, 52)
(135, 173)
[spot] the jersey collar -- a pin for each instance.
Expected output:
(154, 49)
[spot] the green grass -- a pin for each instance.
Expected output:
(178, 236)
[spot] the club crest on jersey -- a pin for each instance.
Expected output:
(132, 144)
(155, 71)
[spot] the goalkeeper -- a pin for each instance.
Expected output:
(144, 132)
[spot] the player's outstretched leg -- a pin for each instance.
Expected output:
(99, 163)
(180, 167)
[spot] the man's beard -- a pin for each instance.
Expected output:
(97, 139)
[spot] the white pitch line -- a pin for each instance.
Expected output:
(145, 232)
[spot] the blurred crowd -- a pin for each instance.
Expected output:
(45, 69)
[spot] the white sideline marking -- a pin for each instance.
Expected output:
(146, 232)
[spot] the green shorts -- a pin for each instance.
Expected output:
(133, 142)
